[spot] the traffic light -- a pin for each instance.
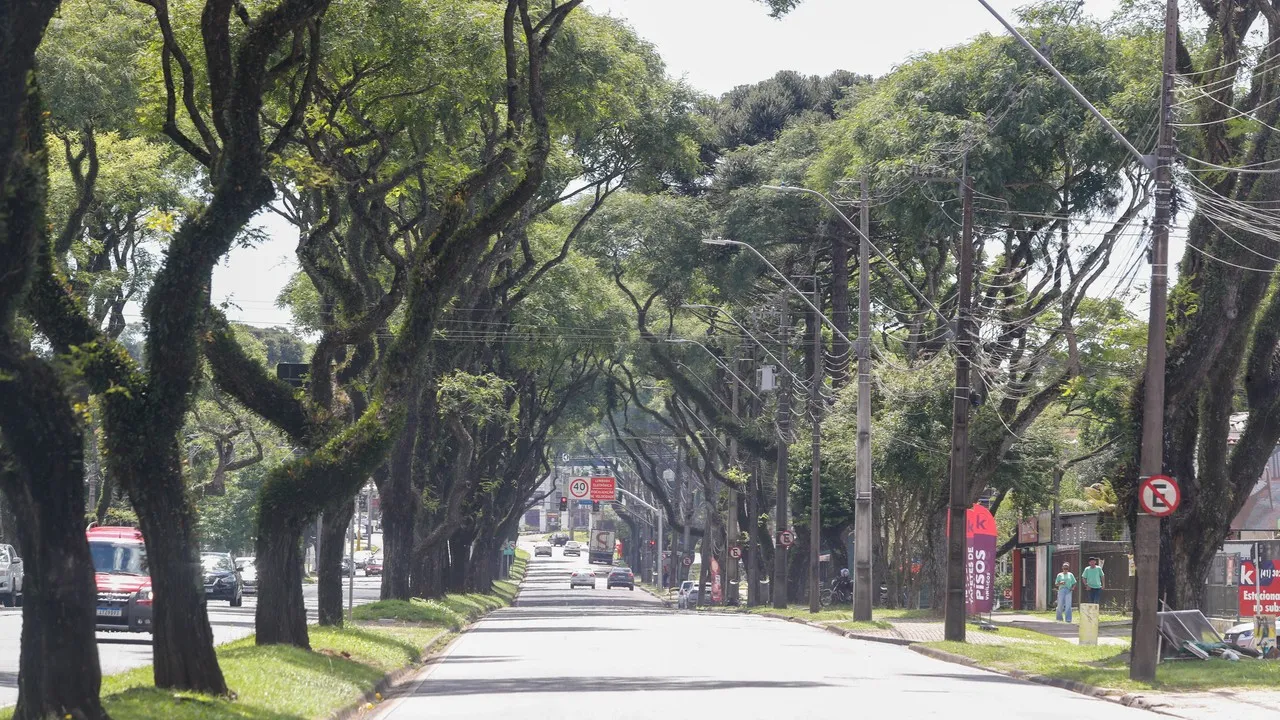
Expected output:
(564, 503)
(652, 543)
(595, 506)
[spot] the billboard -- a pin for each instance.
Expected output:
(1259, 588)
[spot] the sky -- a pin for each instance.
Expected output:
(714, 45)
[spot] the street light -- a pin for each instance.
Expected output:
(686, 341)
(690, 306)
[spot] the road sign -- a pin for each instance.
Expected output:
(786, 538)
(604, 489)
(688, 560)
(585, 502)
(1159, 495)
(579, 488)
(735, 552)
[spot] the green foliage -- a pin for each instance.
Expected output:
(481, 398)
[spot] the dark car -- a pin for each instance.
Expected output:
(347, 567)
(221, 579)
(559, 539)
(620, 577)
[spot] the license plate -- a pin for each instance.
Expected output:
(110, 612)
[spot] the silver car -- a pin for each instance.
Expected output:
(10, 576)
(583, 576)
(248, 574)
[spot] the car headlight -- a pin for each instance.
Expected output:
(145, 595)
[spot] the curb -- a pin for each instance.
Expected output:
(665, 602)
(852, 635)
(1128, 699)
(438, 645)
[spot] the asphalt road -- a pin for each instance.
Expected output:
(582, 653)
(123, 651)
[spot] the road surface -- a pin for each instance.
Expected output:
(123, 651)
(620, 654)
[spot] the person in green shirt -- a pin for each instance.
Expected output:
(1093, 578)
(1066, 583)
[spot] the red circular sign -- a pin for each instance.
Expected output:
(785, 538)
(735, 551)
(1159, 495)
(688, 560)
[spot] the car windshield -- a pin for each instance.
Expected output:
(214, 562)
(122, 559)
(246, 563)
(4, 554)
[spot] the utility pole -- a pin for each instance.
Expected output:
(778, 583)
(729, 571)
(955, 604)
(753, 545)
(1142, 665)
(815, 482)
(862, 591)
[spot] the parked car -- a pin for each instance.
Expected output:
(120, 573)
(248, 567)
(10, 576)
(542, 549)
(582, 576)
(688, 594)
(221, 579)
(374, 566)
(362, 558)
(572, 549)
(620, 577)
(346, 567)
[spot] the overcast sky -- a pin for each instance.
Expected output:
(715, 45)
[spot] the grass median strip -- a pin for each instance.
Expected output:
(280, 682)
(1107, 666)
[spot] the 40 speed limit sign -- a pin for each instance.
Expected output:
(579, 488)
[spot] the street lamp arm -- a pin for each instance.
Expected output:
(794, 289)
(901, 276)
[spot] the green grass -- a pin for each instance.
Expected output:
(276, 682)
(417, 610)
(1107, 665)
(1051, 614)
(857, 625)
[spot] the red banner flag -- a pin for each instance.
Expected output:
(980, 568)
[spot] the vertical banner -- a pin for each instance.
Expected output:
(717, 592)
(980, 565)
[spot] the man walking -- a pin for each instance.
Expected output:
(1093, 578)
(1065, 582)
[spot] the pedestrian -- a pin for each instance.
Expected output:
(1093, 578)
(1065, 582)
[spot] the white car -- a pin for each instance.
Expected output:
(10, 576)
(542, 549)
(582, 576)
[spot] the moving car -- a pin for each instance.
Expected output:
(346, 567)
(542, 549)
(374, 565)
(582, 576)
(688, 594)
(620, 577)
(248, 567)
(559, 539)
(10, 576)
(573, 549)
(221, 579)
(120, 572)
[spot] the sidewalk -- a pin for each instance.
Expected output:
(1110, 633)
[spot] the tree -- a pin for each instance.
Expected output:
(224, 133)
(41, 445)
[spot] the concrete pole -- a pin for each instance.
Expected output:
(778, 583)
(954, 629)
(1142, 666)
(815, 481)
(862, 546)
(729, 567)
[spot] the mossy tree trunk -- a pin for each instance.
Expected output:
(333, 548)
(41, 443)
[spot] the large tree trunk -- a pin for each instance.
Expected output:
(281, 617)
(181, 637)
(333, 547)
(399, 515)
(58, 670)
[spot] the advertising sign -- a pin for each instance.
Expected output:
(1259, 589)
(717, 592)
(980, 565)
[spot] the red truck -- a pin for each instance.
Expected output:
(124, 585)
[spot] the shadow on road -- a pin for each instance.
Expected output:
(568, 684)
(973, 677)
(547, 628)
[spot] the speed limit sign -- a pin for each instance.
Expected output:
(579, 488)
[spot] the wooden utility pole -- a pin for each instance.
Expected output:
(955, 604)
(815, 482)
(778, 583)
(728, 564)
(1142, 665)
(862, 543)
